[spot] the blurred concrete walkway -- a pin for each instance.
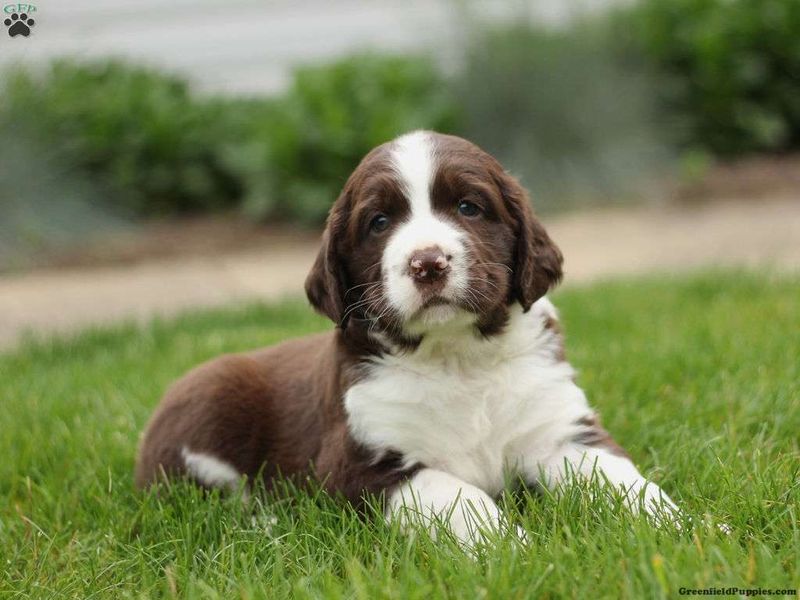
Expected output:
(596, 244)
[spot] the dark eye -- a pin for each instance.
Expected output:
(379, 224)
(468, 209)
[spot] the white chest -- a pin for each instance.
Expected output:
(479, 417)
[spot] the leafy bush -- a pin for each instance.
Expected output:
(331, 116)
(735, 66)
(145, 141)
(44, 204)
(154, 149)
(560, 109)
(572, 110)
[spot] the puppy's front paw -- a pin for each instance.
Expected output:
(473, 524)
(661, 509)
(522, 535)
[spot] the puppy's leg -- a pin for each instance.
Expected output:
(433, 498)
(212, 472)
(609, 465)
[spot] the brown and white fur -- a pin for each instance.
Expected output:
(444, 376)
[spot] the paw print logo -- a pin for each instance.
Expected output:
(19, 25)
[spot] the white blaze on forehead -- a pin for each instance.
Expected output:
(414, 161)
(412, 158)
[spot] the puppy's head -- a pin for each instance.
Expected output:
(430, 230)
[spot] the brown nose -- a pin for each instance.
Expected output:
(428, 265)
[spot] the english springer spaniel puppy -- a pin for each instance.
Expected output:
(445, 375)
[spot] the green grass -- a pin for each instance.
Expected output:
(697, 377)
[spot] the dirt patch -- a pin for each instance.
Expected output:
(754, 178)
(185, 238)
(596, 244)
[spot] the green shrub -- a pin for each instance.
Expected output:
(152, 148)
(735, 67)
(312, 137)
(561, 110)
(149, 146)
(45, 204)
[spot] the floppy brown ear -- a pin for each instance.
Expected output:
(537, 261)
(325, 285)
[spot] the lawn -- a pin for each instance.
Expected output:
(697, 376)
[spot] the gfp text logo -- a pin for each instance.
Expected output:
(19, 19)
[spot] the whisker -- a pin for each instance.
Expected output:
(355, 287)
(495, 264)
(481, 280)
